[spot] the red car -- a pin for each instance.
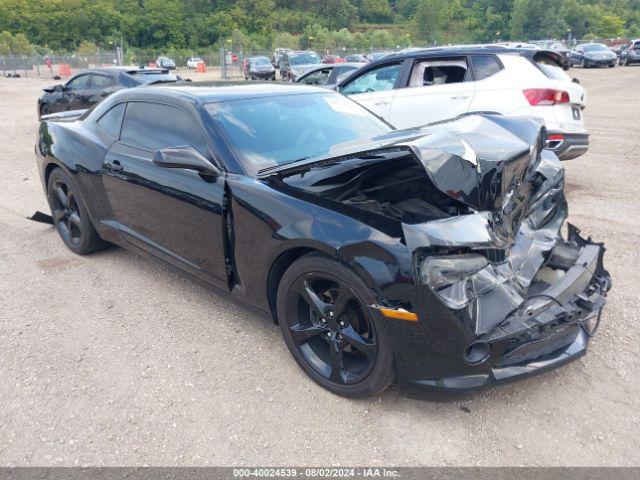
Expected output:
(332, 59)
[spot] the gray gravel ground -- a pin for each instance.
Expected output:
(113, 360)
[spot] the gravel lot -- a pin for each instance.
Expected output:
(113, 360)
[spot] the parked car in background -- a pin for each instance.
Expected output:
(294, 64)
(328, 75)
(277, 56)
(166, 63)
(91, 86)
(593, 55)
(193, 62)
(631, 54)
(328, 59)
(373, 56)
(356, 58)
(557, 47)
(430, 85)
(431, 257)
(258, 68)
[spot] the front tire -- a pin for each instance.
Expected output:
(324, 314)
(70, 215)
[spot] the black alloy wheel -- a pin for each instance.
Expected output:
(323, 312)
(70, 216)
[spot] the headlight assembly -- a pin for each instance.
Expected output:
(456, 279)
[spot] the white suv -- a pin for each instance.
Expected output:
(418, 87)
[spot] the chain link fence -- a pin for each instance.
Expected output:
(48, 66)
(225, 63)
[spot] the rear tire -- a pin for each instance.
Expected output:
(70, 216)
(327, 324)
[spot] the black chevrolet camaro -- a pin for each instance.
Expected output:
(431, 256)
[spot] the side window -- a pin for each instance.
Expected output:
(484, 66)
(78, 83)
(378, 80)
(111, 121)
(100, 82)
(342, 73)
(318, 77)
(152, 126)
(437, 72)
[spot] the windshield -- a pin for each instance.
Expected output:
(304, 58)
(595, 48)
(266, 132)
(554, 72)
(260, 61)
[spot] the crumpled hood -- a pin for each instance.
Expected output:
(481, 160)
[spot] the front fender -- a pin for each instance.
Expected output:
(269, 223)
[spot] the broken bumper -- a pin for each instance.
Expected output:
(551, 327)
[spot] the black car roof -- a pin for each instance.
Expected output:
(129, 70)
(216, 94)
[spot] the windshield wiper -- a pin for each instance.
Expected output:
(279, 165)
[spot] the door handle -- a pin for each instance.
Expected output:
(115, 166)
(382, 102)
(459, 97)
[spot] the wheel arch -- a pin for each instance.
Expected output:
(372, 263)
(280, 265)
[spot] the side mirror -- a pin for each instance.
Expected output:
(104, 93)
(59, 88)
(185, 157)
(575, 80)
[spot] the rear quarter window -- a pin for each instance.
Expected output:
(484, 66)
(111, 121)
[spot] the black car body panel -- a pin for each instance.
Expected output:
(480, 187)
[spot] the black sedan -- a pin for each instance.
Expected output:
(258, 68)
(91, 86)
(593, 55)
(431, 256)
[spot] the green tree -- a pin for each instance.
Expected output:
(536, 19)
(610, 26)
(430, 19)
(285, 40)
(378, 11)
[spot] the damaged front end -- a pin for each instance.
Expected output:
(531, 298)
(496, 289)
